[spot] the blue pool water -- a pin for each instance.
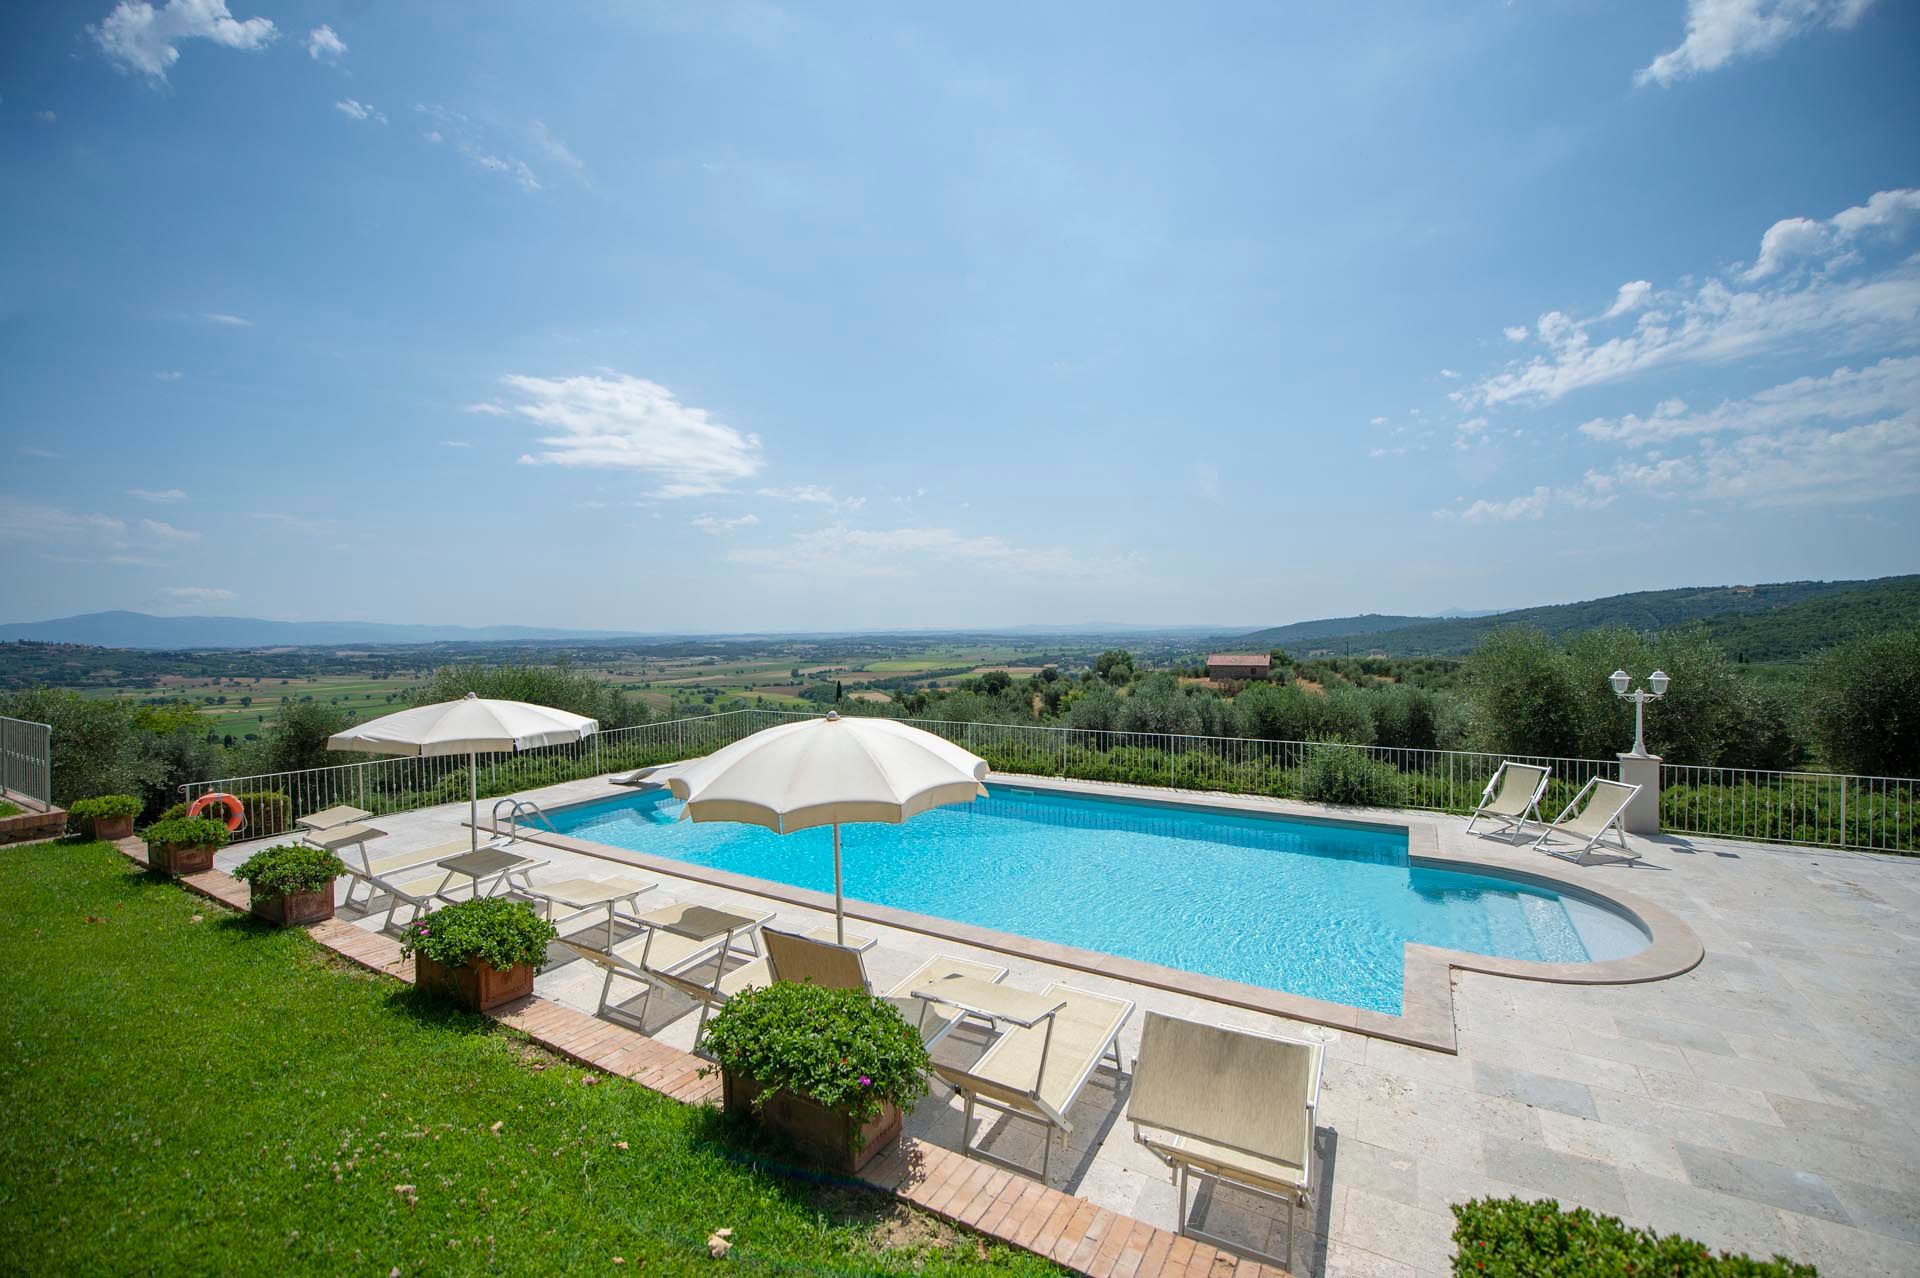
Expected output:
(1314, 908)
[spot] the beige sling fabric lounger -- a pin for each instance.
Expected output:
(679, 939)
(393, 876)
(339, 814)
(1232, 1104)
(800, 959)
(1597, 814)
(1036, 1069)
(1512, 797)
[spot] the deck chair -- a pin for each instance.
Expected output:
(339, 814)
(1037, 1068)
(404, 878)
(1235, 1105)
(801, 959)
(1600, 804)
(662, 956)
(1511, 797)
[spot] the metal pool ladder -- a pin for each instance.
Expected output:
(515, 807)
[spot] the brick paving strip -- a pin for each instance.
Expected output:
(1002, 1205)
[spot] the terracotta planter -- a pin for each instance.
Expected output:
(180, 858)
(476, 985)
(294, 909)
(110, 828)
(824, 1135)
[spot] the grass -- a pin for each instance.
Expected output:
(9, 809)
(187, 1091)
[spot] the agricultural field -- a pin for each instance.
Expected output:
(244, 706)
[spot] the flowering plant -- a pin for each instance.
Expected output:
(844, 1049)
(490, 929)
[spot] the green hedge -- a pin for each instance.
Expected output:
(1511, 1238)
(288, 868)
(105, 807)
(487, 929)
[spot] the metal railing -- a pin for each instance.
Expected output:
(274, 800)
(26, 760)
(1823, 810)
(1819, 809)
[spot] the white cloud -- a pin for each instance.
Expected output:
(488, 409)
(357, 110)
(1631, 297)
(157, 531)
(1517, 332)
(615, 421)
(471, 140)
(159, 495)
(46, 117)
(323, 45)
(841, 551)
(814, 494)
(717, 526)
(1722, 31)
(1449, 374)
(171, 375)
(1795, 238)
(231, 321)
(26, 521)
(141, 38)
(459, 443)
(1844, 395)
(1720, 320)
(1385, 452)
(1376, 421)
(44, 454)
(196, 594)
(553, 146)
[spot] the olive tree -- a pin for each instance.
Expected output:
(1865, 704)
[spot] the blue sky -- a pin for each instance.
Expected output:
(736, 316)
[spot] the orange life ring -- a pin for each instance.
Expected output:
(236, 811)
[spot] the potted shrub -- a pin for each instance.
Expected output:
(107, 816)
(291, 883)
(834, 1071)
(482, 951)
(184, 845)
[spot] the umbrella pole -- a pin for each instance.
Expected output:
(473, 801)
(839, 906)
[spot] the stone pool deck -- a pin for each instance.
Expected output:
(1759, 1101)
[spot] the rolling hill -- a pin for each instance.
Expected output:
(143, 630)
(1781, 621)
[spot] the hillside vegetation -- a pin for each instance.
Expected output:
(1780, 621)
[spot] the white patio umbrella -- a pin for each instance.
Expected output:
(828, 772)
(472, 726)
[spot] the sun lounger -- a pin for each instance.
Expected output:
(800, 959)
(1051, 1044)
(1511, 797)
(341, 814)
(583, 896)
(1231, 1104)
(411, 878)
(1599, 806)
(679, 939)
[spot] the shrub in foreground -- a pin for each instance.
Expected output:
(290, 868)
(502, 934)
(107, 816)
(187, 832)
(847, 1051)
(1511, 1238)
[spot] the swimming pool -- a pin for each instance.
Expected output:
(1318, 908)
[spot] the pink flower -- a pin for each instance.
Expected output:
(865, 1081)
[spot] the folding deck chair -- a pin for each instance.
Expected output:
(1235, 1105)
(1035, 1070)
(1519, 787)
(1601, 805)
(678, 939)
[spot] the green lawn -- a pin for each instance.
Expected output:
(187, 1092)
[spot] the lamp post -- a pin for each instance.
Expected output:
(1622, 682)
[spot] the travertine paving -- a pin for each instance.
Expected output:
(1759, 1102)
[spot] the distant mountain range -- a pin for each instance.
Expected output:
(1782, 621)
(143, 630)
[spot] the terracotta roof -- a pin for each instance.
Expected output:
(1240, 659)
